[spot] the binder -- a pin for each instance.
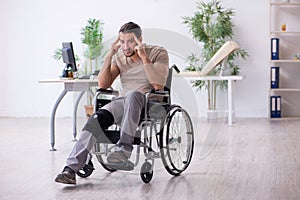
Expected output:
(275, 77)
(275, 48)
(275, 106)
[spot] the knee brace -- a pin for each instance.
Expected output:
(99, 122)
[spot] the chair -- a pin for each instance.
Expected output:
(171, 127)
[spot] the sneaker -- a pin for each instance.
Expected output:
(66, 177)
(117, 157)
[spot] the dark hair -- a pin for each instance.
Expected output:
(131, 27)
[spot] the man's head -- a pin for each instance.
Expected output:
(126, 35)
(131, 27)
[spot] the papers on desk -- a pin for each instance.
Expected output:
(66, 78)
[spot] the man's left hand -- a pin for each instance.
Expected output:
(140, 49)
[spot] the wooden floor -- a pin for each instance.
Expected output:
(253, 159)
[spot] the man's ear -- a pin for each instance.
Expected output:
(141, 39)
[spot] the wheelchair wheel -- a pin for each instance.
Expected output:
(87, 170)
(146, 172)
(176, 140)
(100, 155)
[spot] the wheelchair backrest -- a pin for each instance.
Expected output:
(169, 82)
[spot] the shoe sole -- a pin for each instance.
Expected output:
(65, 180)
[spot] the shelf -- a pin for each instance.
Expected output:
(285, 100)
(285, 61)
(285, 4)
(285, 33)
(285, 89)
(285, 118)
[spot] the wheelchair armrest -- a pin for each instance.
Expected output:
(160, 92)
(107, 91)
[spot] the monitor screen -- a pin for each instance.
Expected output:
(68, 56)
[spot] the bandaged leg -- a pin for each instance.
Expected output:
(98, 122)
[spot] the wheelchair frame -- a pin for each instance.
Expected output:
(174, 137)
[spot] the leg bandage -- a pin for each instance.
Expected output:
(99, 122)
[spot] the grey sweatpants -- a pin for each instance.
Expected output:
(126, 112)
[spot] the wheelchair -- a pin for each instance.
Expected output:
(165, 133)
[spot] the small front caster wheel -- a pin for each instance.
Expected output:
(146, 172)
(87, 170)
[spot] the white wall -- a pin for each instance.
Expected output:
(32, 29)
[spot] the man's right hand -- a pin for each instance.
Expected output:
(115, 46)
(109, 72)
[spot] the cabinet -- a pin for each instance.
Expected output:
(284, 26)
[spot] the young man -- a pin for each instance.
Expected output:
(141, 68)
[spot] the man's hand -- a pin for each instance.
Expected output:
(115, 46)
(109, 72)
(140, 49)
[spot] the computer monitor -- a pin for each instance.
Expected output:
(68, 56)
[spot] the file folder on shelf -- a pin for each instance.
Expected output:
(275, 48)
(275, 106)
(274, 77)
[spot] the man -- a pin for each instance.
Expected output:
(141, 68)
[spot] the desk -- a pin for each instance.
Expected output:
(82, 85)
(194, 76)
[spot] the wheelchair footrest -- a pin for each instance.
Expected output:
(126, 166)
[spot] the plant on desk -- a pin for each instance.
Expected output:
(92, 37)
(212, 26)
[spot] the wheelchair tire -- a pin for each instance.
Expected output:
(176, 140)
(87, 170)
(146, 172)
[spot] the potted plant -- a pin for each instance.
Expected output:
(92, 37)
(212, 26)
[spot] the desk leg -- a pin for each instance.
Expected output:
(52, 122)
(75, 115)
(229, 96)
(90, 92)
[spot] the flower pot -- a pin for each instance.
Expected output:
(89, 110)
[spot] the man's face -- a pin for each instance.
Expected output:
(127, 43)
